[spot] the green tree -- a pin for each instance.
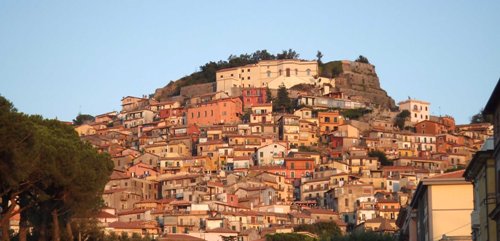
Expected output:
(48, 171)
(382, 158)
(282, 102)
(290, 54)
(288, 237)
(362, 59)
(319, 56)
(324, 230)
(400, 119)
(481, 117)
(269, 95)
(82, 119)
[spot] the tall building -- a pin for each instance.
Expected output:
(267, 73)
(493, 109)
(418, 109)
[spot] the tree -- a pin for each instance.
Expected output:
(324, 230)
(269, 95)
(288, 237)
(382, 158)
(82, 119)
(319, 55)
(290, 54)
(282, 102)
(481, 117)
(400, 119)
(48, 172)
(362, 59)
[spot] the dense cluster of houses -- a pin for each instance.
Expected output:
(194, 169)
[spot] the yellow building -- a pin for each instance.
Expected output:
(481, 171)
(267, 73)
(441, 205)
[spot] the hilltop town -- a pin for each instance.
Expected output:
(275, 144)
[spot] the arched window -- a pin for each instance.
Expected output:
(268, 74)
(308, 72)
(287, 72)
(415, 107)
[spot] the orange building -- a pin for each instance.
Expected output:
(430, 127)
(297, 167)
(329, 121)
(226, 110)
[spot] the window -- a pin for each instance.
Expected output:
(292, 165)
(248, 70)
(287, 72)
(268, 73)
(308, 72)
(296, 72)
(292, 174)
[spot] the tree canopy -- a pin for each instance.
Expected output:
(400, 119)
(48, 172)
(82, 119)
(382, 158)
(362, 59)
(481, 117)
(282, 103)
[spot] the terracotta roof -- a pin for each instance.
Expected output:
(133, 225)
(455, 174)
(103, 214)
(179, 237)
(221, 230)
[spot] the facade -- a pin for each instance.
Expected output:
(418, 109)
(441, 205)
(253, 96)
(329, 121)
(267, 73)
(481, 171)
(226, 110)
(493, 109)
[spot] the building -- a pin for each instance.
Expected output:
(493, 109)
(481, 171)
(267, 73)
(418, 109)
(227, 110)
(441, 205)
(253, 96)
(329, 121)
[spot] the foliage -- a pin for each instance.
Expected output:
(366, 236)
(362, 59)
(481, 117)
(82, 119)
(48, 171)
(324, 230)
(319, 55)
(381, 157)
(331, 69)
(400, 119)
(354, 114)
(246, 116)
(269, 95)
(288, 237)
(207, 72)
(282, 103)
(288, 54)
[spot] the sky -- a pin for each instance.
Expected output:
(61, 58)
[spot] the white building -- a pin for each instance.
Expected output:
(418, 109)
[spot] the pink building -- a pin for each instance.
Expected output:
(253, 96)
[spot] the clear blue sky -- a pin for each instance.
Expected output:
(61, 57)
